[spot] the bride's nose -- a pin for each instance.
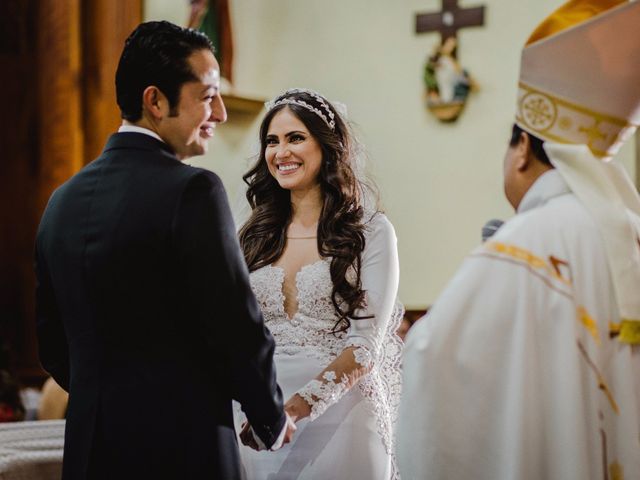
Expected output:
(282, 152)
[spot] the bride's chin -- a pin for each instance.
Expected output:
(284, 184)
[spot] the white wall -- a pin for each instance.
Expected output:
(439, 182)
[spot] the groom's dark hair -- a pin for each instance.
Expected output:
(156, 53)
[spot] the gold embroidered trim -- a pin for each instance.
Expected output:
(602, 385)
(629, 332)
(527, 257)
(589, 323)
(574, 106)
(614, 329)
(616, 472)
(553, 118)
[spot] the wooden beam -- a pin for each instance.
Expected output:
(106, 25)
(58, 98)
(637, 135)
(449, 19)
(18, 138)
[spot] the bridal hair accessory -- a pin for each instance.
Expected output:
(288, 98)
(341, 108)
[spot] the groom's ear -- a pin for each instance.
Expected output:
(155, 102)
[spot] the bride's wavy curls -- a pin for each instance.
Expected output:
(340, 234)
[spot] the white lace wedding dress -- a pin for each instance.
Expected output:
(350, 433)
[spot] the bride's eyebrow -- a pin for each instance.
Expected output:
(288, 134)
(295, 132)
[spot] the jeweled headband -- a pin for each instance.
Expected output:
(327, 116)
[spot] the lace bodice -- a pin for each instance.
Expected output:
(372, 341)
(311, 326)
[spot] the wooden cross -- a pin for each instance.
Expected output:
(450, 19)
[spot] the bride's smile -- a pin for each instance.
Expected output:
(293, 155)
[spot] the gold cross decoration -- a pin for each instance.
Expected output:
(593, 133)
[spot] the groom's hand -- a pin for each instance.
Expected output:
(249, 438)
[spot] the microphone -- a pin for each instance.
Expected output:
(490, 228)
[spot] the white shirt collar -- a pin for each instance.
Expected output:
(548, 185)
(136, 129)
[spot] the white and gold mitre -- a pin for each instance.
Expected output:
(580, 76)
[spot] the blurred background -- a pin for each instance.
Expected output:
(439, 181)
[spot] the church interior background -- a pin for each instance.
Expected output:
(439, 181)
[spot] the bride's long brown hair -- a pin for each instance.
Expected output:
(340, 234)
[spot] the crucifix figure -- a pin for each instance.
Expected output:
(447, 83)
(449, 20)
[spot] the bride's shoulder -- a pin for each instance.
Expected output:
(376, 222)
(379, 230)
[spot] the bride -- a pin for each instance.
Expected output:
(324, 268)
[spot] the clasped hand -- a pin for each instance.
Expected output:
(250, 439)
(295, 409)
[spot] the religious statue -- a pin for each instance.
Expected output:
(447, 83)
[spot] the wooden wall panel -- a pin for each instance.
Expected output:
(18, 143)
(58, 60)
(637, 179)
(107, 25)
(59, 95)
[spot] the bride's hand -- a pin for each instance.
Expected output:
(297, 408)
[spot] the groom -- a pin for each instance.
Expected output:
(144, 309)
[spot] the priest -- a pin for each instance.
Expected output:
(528, 365)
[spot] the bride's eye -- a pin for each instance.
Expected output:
(271, 141)
(296, 138)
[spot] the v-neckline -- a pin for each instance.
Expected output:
(295, 281)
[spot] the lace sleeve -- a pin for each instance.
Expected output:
(380, 276)
(328, 387)
(371, 344)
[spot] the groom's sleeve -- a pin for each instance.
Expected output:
(52, 342)
(226, 312)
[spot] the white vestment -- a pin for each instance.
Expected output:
(516, 372)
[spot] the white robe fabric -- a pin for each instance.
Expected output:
(514, 373)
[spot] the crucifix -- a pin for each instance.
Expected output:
(449, 20)
(447, 83)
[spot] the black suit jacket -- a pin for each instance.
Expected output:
(145, 315)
